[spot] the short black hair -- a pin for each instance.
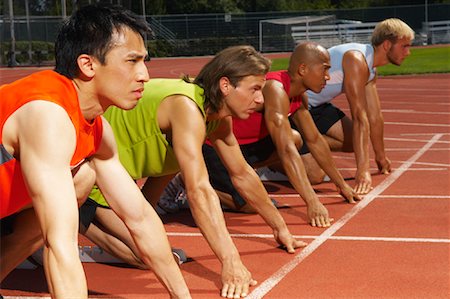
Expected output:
(89, 31)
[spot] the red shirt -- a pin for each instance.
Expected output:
(254, 128)
(48, 86)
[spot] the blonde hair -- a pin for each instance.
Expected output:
(391, 29)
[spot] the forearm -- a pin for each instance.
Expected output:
(155, 251)
(361, 144)
(377, 138)
(252, 190)
(296, 173)
(207, 213)
(65, 274)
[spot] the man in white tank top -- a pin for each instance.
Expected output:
(353, 72)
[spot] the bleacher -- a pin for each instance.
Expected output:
(329, 35)
(437, 32)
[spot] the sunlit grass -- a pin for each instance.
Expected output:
(421, 61)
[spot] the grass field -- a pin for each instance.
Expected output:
(421, 61)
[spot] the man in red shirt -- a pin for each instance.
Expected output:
(266, 137)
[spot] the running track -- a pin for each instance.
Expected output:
(395, 243)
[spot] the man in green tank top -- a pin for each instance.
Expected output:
(164, 135)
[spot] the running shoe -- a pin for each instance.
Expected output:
(173, 199)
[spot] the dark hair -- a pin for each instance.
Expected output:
(235, 63)
(89, 31)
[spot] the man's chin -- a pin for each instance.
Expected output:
(243, 116)
(129, 105)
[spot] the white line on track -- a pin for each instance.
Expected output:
(416, 134)
(420, 103)
(410, 169)
(273, 280)
(409, 111)
(412, 196)
(415, 124)
(340, 238)
(415, 163)
(413, 140)
(402, 149)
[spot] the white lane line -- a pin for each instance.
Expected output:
(415, 124)
(415, 163)
(408, 111)
(273, 280)
(339, 238)
(416, 134)
(412, 196)
(411, 169)
(413, 140)
(403, 149)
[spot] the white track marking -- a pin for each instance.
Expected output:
(414, 140)
(408, 111)
(412, 196)
(415, 163)
(273, 280)
(415, 124)
(410, 169)
(343, 238)
(400, 149)
(427, 134)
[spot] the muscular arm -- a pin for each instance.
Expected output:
(356, 74)
(276, 107)
(320, 150)
(248, 184)
(376, 122)
(47, 142)
(188, 134)
(145, 226)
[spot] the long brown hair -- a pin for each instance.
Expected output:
(235, 63)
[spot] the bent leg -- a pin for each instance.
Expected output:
(339, 136)
(83, 180)
(110, 233)
(154, 187)
(313, 170)
(24, 240)
(26, 235)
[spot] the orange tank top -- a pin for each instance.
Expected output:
(53, 87)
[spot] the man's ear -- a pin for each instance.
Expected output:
(302, 69)
(86, 65)
(387, 44)
(225, 85)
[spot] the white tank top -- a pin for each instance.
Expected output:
(334, 85)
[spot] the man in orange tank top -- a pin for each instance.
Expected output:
(54, 146)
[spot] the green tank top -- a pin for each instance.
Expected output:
(143, 149)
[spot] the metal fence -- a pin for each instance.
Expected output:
(206, 34)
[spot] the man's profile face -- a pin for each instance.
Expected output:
(318, 73)
(244, 98)
(399, 50)
(120, 80)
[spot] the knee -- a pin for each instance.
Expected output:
(84, 180)
(297, 139)
(316, 177)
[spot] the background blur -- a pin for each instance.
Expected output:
(204, 27)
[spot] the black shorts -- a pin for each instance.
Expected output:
(218, 175)
(7, 225)
(324, 116)
(87, 212)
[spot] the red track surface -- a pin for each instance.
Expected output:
(395, 243)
